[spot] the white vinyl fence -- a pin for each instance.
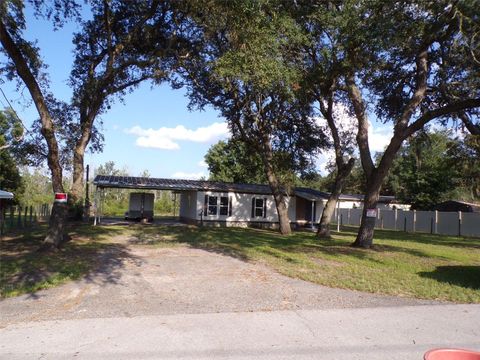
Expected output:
(434, 222)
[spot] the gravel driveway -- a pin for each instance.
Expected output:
(181, 280)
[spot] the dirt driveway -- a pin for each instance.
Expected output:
(180, 280)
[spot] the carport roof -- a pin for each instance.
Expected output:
(130, 182)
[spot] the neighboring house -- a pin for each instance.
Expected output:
(229, 204)
(455, 206)
(355, 201)
(5, 195)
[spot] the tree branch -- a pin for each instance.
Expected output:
(474, 129)
(48, 130)
(446, 110)
(362, 134)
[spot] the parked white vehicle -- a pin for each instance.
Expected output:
(140, 206)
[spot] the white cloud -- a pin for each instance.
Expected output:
(166, 138)
(202, 164)
(378, 137)
(189, 176)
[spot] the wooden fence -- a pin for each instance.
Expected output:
(22, 217)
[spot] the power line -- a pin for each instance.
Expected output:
(13, 110)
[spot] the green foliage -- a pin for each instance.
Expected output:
(434, 167)
(246, 71)
(10, 178)
(11, 129)
(38, 187)
(231, 161)
(260, 33)
(11, 132)
(355, 183)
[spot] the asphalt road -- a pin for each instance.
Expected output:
(404, 332)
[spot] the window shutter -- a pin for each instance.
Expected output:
(205, 206)
(229, 206)
(264, 207)
(253, 207)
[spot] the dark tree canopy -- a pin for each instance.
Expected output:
(232, 161)
(245, 69)
(433, 167)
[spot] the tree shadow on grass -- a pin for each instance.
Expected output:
(464, 276)
(423, 238)
(24, 269)
(240, 242)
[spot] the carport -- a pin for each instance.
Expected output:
(104, 182)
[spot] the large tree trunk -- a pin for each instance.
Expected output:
(55, 233)
(76, 192)
(282, 210)
(374, 185)
(342, 173)
(86, 120)
(365, 232)
(277, 190)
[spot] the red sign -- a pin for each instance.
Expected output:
(60, 197)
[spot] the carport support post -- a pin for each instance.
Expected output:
(395, 220)
(174, 203)
(436, 223)
(338, 216)
(96, 206)
(414, 220)
(313, 209)
(459, 223)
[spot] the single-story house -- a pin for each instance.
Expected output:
(5, 195)
(385, 202)
(229, 204)
(455, 206)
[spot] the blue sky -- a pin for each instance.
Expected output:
(152, 130)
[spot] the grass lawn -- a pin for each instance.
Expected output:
(414, 265)
(25, 269)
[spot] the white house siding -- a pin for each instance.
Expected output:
(350, 204)
(189, 207)
(242, 209)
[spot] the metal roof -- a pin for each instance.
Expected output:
(130, 182)
(310, 194)
(387, 199)
(5, 195)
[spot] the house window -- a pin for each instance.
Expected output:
(259, 207)
(224, 205)
(212, 205)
